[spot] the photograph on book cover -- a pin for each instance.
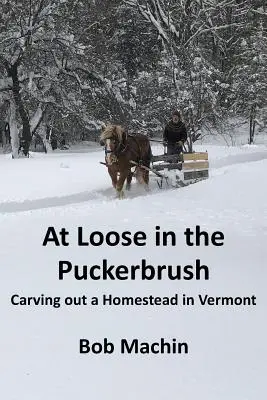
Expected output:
(133, 199)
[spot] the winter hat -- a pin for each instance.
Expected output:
(176, 113)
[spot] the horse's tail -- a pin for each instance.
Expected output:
(148, 155)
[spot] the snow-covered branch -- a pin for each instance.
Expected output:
(5, 84)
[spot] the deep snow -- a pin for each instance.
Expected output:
(39, 344)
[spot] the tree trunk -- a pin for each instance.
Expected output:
(14, 132)
(43, 134)
(252, 123)
(3, 135)
(26, 128)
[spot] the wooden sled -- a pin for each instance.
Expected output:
(183, 169)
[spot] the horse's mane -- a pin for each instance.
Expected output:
(113, 131)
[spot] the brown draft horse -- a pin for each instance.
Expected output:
(120, 149)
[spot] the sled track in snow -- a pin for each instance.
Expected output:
(101, 196)
(108, 194)
(234, 159)
(48, 202)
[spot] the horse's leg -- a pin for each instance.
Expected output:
(120, 183)
(146, 180)
(139, 175)
(113, 175)
(142, 177)
(146, 172)
(129, 180)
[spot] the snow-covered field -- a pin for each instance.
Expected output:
(39, 347)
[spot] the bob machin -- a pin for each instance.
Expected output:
(133, 346)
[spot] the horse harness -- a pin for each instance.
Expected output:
(122, 147)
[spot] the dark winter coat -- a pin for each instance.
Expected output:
(174, 132)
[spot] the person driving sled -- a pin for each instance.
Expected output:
(175, 134)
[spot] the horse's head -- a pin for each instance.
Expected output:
(113, 138)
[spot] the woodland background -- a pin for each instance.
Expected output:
(67, 67)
